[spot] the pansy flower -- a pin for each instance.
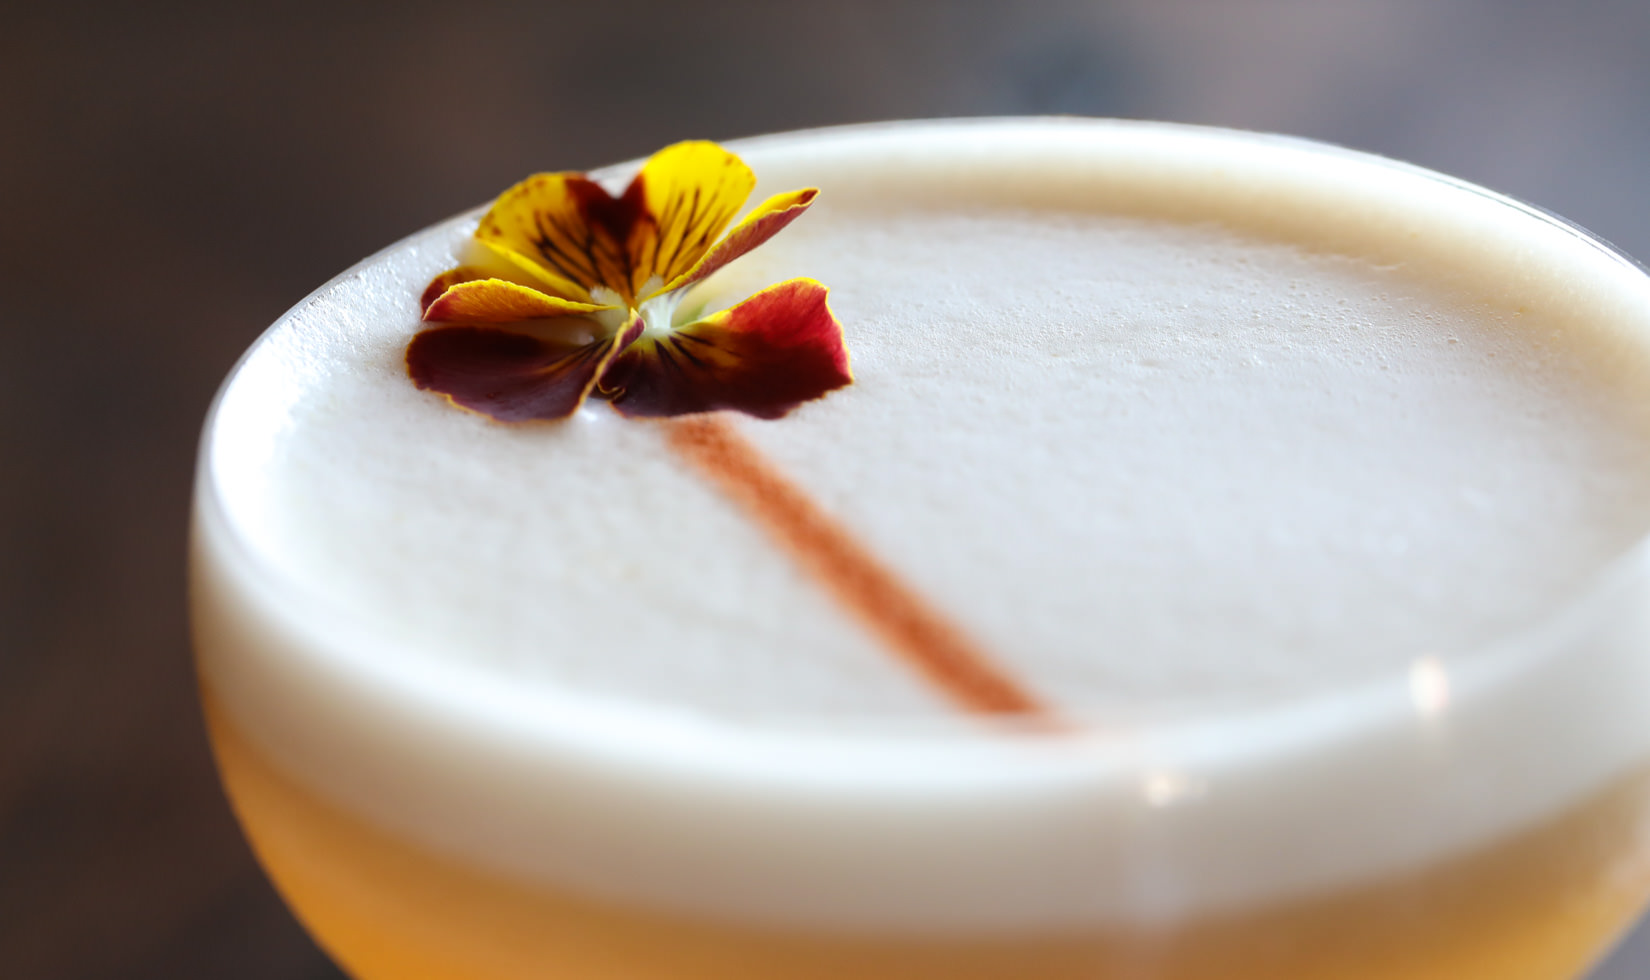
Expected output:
(580, 291)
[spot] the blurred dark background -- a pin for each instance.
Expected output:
(172, 179)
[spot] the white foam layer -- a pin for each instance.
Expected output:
(1296, 471)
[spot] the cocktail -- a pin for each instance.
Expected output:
(1225, 562)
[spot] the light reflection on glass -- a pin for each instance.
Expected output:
(1429, 687)
(1167, 788)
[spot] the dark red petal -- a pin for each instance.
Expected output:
(509, 375)
(764, 357)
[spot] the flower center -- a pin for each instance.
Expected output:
(658, 313)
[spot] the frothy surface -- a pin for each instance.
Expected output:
(1140, 460)
(1250, 428)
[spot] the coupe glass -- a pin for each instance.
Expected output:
(391, 859)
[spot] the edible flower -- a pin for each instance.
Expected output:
(579, 291)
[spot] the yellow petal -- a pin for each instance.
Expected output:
(543, 227)
(760, 225)
(692, 190)
(498, 301)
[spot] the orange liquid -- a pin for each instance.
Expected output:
(1540, 906)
